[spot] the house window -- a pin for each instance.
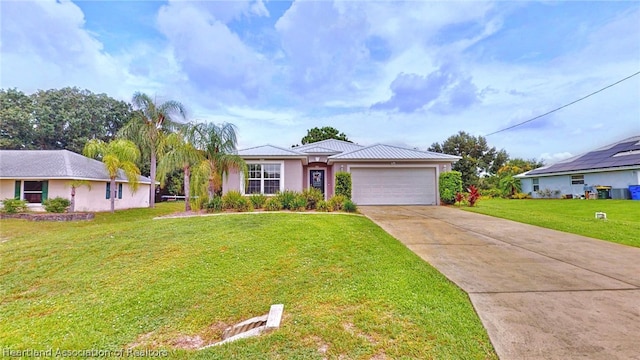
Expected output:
(264, 179)
(34, 191)
(118, 191)
(536, 184)
(577, 180)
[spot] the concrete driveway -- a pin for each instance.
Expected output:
(540, 293)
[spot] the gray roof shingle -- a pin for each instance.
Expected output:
(54, 164)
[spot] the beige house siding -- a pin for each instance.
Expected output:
(93, 199)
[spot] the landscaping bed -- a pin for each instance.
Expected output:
(49, 216)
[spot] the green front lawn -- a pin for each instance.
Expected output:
(124, 280)
(574, 216)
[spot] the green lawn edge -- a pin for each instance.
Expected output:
(571, 215)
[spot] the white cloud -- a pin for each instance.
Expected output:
(554, 158)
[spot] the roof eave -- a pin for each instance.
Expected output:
(587, 171)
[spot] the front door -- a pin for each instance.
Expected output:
(316, 179)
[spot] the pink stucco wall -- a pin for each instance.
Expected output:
(86, 199)
(293, 177)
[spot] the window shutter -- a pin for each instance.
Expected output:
(108, 196)
(17, 191)
(45, 190)
(120, 191)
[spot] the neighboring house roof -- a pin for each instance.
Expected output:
(331, 144)
(388, 152)
(619, 155)
(54, 164)
(269, 151)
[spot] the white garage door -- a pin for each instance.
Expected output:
(394, 186)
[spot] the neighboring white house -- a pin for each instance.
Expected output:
(616, 166)
(381, 174)
(36, 175)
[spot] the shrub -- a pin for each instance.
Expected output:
(287, 198)
(14, 206)
(343, 184)
(492, 193)
(450, 184)
(233, 200)
(56, 205)
(336, 202)
(214, 205)
(323, 206)
(459, 198)
(273, 204)
(257, 200)
(299, 203)
(520, 196)
(312, 196)
(473, 196)
(349, 206)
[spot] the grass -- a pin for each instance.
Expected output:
(573, 216)
(349, 289)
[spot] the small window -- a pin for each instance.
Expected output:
(33, 191)
(118, 191)
(536, 184)
(577, 180)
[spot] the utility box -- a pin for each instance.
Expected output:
(620, 194)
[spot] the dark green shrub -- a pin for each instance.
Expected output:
(312, 195)
(343, 184)
(287, 198)
(323, 206)
(257, 200)
(14, 206)
(56, 205)
(273, 204)
(214, 205)
(233, 200)
(299, 203)
(450, 184)
(336, 202)
(349, 206)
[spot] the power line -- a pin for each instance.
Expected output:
(563, 106)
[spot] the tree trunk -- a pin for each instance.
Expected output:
(113, 195)
(152, 175)
(211, 188)
(73, 199)
(187, 196)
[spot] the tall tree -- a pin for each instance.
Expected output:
(150, 124)
(324, 133)
(218, 144)
(59, 118)
(180, 155)
(477, 157)
(116, 155)
(507, 181)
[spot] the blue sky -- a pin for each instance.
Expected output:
(402, 73)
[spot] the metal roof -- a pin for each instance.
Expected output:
(332, 144)
(319, 150)
(54, 164)
(388, 152)
(623, 153)
(269, 151)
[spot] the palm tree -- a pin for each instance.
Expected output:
(148, 128)
(181, 155)
(116, 155)
(74, 185)
(218, 143)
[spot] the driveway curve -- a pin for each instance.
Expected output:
(540, 293)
